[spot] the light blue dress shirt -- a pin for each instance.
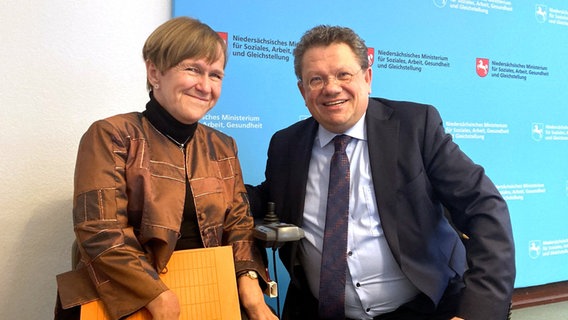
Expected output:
(375, 284)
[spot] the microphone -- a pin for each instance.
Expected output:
(270, 216)
(275, 233)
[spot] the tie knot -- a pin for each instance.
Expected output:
(340, 142)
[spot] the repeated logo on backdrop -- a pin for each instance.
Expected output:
(482, 67)
(541, 13)
(553, 15)
(224, 36)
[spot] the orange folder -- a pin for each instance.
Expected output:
(204, 281)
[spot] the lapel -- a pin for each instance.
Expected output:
(383, 140)
(300, 151)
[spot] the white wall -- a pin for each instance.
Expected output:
(63, 64)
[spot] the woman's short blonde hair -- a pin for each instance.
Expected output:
(183, 38)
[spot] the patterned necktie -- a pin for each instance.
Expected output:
(334, 259)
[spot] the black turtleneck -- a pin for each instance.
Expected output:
(179, 133)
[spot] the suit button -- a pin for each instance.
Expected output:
(358, 284)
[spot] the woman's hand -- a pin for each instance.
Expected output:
(252, 299)
(165, 306)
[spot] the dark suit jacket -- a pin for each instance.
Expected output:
(417, 171)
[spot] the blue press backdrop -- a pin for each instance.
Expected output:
(495, 69)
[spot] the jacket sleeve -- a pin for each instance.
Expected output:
(124, 280)
(239, 225)
(478, 210)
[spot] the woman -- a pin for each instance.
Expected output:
(149, 183)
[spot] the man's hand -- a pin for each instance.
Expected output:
(252, 299)
(165, 306)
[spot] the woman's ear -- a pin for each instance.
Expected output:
(152, 73)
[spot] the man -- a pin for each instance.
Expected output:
(405, 260)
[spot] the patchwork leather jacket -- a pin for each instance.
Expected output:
(130, 184)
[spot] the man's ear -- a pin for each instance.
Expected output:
(368, 74)
(302, 89)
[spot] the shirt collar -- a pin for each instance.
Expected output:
(357, 131)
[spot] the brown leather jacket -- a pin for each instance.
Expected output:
(130, 183)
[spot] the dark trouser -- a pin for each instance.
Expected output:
(446, 310)
(301, 305)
